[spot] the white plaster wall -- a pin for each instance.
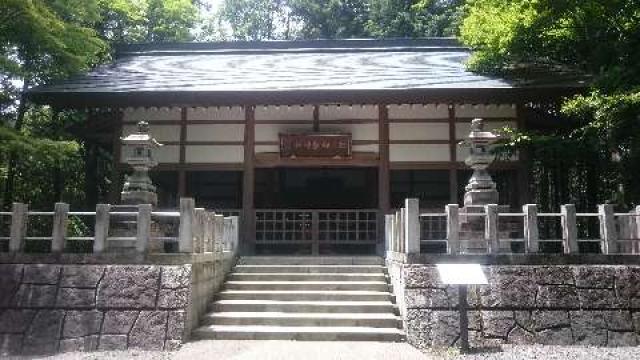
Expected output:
(267, 149)
(357, 131)
(335, 112)
(365, 148)
(160, 132)
(462, 129)
(214, 154)
(419, 131)
(418, 111)
(285, 113)
(486, 111)
(269, 132)
(151, 114)
(225, 132)
(219, 113)
(419, 152)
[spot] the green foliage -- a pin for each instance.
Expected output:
(594, 151)
(334, 19)
(331, 19)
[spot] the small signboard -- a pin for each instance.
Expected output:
(461, 274)
(335, 146)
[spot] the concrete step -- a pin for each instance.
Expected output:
(310, 333)
(303, 306)
(305, 295)
(311, 260)
(307, 285)
(376, 320)
(306, 277)
(324, 269)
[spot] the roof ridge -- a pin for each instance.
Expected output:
(319, 45)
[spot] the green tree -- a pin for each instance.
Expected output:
(597, 38)
(256, 19)
(332, 19)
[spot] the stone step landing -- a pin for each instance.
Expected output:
(304, 298)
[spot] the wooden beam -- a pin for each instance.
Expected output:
(116, 183)
(522, 183)
(453, 153)
(182, 175)
(384, 184)
(316, 118)
(248, 183)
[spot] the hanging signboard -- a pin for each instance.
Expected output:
(337, 146)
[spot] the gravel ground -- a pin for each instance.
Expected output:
(293, 350)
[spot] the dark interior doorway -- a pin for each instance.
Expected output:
(316, 188)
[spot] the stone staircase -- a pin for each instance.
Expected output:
(304, 298)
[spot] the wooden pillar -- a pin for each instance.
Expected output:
(384, 187)
(523, 162)
(116, 184)
(182, 175)
(248, 183)
(453, 161)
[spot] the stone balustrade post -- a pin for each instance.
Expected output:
(608, 229)
(636, 246)
(18, 231)
(143, 233)
(412, 226)
(218, 237)
(396, 232)
(403, 230)
(388, 233)
(199, 231)
(453, 228)
(531, 234)
(209, 230)
(59, 233)
(569, 229)
(101, 231)
(491, 228)
(187, 222)
(235, 234)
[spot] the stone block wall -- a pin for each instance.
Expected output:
(48, 308)
(524, 304)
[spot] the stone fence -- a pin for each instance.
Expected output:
(575, 281)
(120, 228)
(128, 290)
(494, 230)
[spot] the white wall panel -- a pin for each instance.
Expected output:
(365, 148)
(419, 111)
(160, 132)
(357, 131)
(214, 154)
(151, 114)
(269, 132)
(220, 113)
(335, 112)
(267, 149)
(462, 129)
(419, 152)
(286, 113)
(486, 111)
(226, 132)
(419, 131)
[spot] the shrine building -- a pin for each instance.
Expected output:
(310, 142)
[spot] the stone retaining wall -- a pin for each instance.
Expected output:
(559, 304)
(48, 308)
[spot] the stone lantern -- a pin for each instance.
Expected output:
(481, 189)
(139, 149)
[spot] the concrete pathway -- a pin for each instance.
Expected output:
(264, 350)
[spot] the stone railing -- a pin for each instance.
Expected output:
(493, 231)
(110, 228)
